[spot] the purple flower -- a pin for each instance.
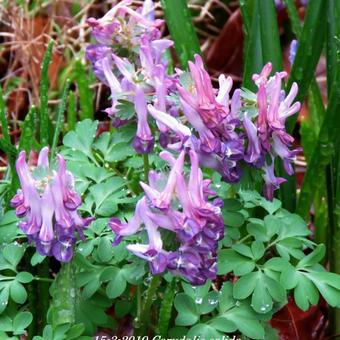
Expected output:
(267, 134)
(181, 206)
(271, 181)
(292, 51)
(48, 203)
(143, 141)
(203, 98)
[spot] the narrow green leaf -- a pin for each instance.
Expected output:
(246, 7)
(85, 94)
(182, 30)
(60, 116)
(308, 52)
(293, 17)
(44, 88)
(270, 37)
(64, 296)
(28, 131)
(3, 118)
(71, 111)
(327, 140)
(253, 56)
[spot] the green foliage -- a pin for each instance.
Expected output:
(44, 87)
(179, 22)
(86, 95)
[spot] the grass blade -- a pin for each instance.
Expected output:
(85, 93)
(60, 116)
(182, 30)
(28, 131)
(327, 140)
(44, 87)
(270, 37)
(308, 52)
(253, 58)
(293, 17)
(3, 118)
(71, 111)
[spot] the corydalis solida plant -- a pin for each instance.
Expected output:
(227, 135)
(48, 203)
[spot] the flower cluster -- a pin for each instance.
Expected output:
(267, 137)
(180, 206)
(226, 136)
(216, 130)
(48, 203)
(137, 69)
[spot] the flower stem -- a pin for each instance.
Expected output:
(146, 167)
(43, 279)
(142, 323)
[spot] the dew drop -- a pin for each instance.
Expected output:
(199, 301)
(212, 302)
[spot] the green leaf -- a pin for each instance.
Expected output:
(82, 138)
(243, 250)
(223, 325)
(75, 331)
(187, 310)
(305, 293)
(60, 118)
(108, 195)
(198, 292)
(4, 295)
(253, 56)
(313, 258)
(115, 147)
(328, 285)
(105, 249)
(182, 31)
(8, 227)
(265, 290)
(226, 300)
(229, 260)
(6, 323)
(245, 285)
(232, 218)
(117, 283)
(24, 277)
(270, 37)
(203, 331)
(37, 258)
(17, 292)
(232, 204)
(21, 322)
(86, 95)
(13, 253)
(257, 249)
(209, 303)
(125, 109)
(91, 287)
(309, 50)
(44, 90)
(64, 296)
